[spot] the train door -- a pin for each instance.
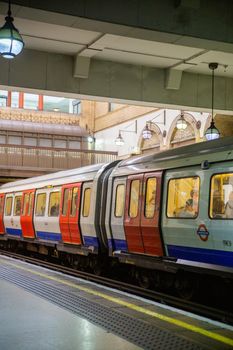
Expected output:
(132, 214)
(16, 214)
(46, 214)
(87, 220)
(26, 218)
(118, 241)
(2, 228)
(150, 214)
(12, 214)
(69, 213)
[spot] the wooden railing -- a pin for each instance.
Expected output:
(45, 158)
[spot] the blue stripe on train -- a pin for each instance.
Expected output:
(49, 236)
(13, 231)
(118, 244)
(211, 256)
(90, 241)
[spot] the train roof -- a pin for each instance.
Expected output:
(85, 173)
(216, 150)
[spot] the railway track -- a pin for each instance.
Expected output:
(197, 308)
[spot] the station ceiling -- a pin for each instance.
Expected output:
(61, 33)
(179, 41)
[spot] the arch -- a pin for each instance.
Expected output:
(155, 143)
(190, 135)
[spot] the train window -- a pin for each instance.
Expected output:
(30, 206)
(40, 204)
(74, 202)
(17, 205)
(221, 197)
(150, 197)
(65, 201)
(1, 204)
(134, 198)
(120, 200)
(86, 202)
(25, 204)
(54, 203)
(8, 206)
(183, 197)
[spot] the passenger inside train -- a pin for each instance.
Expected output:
(188, 211)
(229, 207)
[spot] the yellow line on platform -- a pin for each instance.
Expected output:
(131, 306)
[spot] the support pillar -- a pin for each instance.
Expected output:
(40, 103)
(21, 100)
(9, 99)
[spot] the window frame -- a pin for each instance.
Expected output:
(14, 206)
(24, 211)
(227, 172)
(49, 208)
(71, 202)
(176, 217)
(2, 205)
(6, 206)
(37, 195)
(139, 181)
(145, 203)
(85, 189)
(66, 190)
(123, 207)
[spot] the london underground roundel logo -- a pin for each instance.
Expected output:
(202, 232)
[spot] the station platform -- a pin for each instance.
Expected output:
(43, 309)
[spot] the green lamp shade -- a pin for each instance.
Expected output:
(212, 132)
(11, 42)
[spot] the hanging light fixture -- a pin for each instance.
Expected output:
(181, 122)
(11, 42)
(90, 137)
(146, 133)
(119, 140)
(212, 132)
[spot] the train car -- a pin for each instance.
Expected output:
(170, 212)
(167, 216)
(56, 213)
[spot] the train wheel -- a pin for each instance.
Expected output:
(186, 285)
(144, 279)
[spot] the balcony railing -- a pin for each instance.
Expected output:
(46, 159)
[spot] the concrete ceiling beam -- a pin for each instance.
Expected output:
(51, 73)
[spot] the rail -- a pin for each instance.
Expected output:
(12, 156)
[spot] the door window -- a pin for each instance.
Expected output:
(8, 206)
(17, 205)
(54, 203)
(74, 202)
(120, 200)
(134, 198)
(1, 204)
(183, 197)
(25, 204)
(86, 202)
(150, 197)
(65, 201)
(40, 204)
(30, 206)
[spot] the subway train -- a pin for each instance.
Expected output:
(166, 217)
